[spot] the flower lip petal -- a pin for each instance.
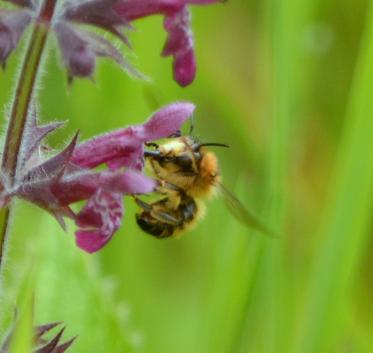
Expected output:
(184, 68)
(91, 241)
(100, 218)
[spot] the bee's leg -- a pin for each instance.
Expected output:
(158, 214)
(173, 192)
(165, 188)
(166, 217)
(191, 128)
(145, 206)
(152, 144)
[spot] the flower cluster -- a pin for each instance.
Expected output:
(79, 47)
(69, 176)
(41, 345)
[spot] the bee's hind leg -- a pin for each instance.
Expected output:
(158, 214)
(145, 206)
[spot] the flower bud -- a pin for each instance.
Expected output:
(80, 48)
(12, 26)
(82, 62)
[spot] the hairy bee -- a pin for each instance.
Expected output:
(188, 172)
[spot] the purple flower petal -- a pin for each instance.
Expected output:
(81, 186)
(167, 121)
(100, 218)
(105, 148)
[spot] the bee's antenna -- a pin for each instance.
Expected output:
(191, 128)
(198, 146)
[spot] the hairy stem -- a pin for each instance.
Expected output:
(21, 106)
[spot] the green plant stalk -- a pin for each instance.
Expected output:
(270, 307)
(347, 216)
(21, 106)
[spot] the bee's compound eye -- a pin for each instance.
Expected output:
(184, 161)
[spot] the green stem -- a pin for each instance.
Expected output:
(21, 105)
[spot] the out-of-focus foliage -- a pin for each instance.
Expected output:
(289, 85)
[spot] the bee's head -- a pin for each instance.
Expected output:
(187, 163)
(184, 152)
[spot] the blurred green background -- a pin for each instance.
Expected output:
(289, 85)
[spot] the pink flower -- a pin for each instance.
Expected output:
(68, 177)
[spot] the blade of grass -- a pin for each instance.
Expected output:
(347, 213)
(274, 287)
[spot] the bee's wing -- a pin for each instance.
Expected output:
(244, 216)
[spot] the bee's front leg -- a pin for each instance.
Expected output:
(152, 144)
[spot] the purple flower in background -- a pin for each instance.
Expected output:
(112, 14)
(56, 183)
(79, 47)
(12, 26)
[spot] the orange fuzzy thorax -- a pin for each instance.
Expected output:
(209, 176)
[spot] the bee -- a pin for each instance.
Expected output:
(188, 173)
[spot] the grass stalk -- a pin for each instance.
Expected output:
(347, 214)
